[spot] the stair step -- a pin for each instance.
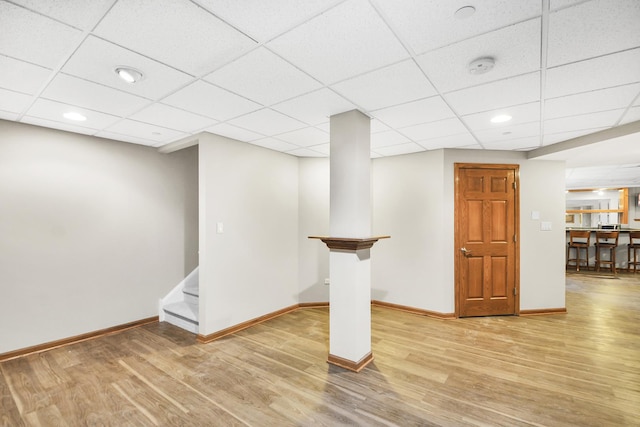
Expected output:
(191, 299)
(194, 291)
(185, 310)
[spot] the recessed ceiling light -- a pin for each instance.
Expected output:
(464, 12)
(72, 115)
(128, 74)
(501, 118)
(481, 65)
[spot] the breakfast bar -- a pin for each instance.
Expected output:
(622, 255)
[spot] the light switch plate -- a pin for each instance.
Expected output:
(535, 215)
(545, 226)
(219, 228)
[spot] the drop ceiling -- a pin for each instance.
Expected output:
(271, 73)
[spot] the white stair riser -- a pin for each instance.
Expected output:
(181, 323)
(191, 299)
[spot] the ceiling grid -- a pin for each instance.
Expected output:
(271, 73)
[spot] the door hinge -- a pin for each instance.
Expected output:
(515, 238)
(515, 292)
(513, 184)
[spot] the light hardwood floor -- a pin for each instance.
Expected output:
(575, 369)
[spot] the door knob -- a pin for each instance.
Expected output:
(465, 251)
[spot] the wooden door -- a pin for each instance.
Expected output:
(486, 218)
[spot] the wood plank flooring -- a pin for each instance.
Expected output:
(575, 369)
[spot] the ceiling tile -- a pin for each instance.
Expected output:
(386, 138)
(471, 147)
(81, 14)
(263, 77)
(560, 4)
(128, 138)
(515, 49)
(591, 102)
(305, 137)
(234, 132)
(529, 143)
(507, 133)
(275, 144)
(21, 76)
(396, 150)
(6, 115)
(172, 118)
(345, 41)
(267, 122)
(54, 111)
(396, 84)
(326, 127)
(599, 73)
(492, 96)
(583, 121)
(175, 32)
(75, 91)
(451, 141)
(632, 115)
(316, 107)
(34, 38)
(520, 114)
(53, 124)
(97, 60)
(212, 101)
(576, 33)
(411, 113)
(262, 20)
(549, 139)
(145, 131)
(13, 102)
(322, 148)
(429, 24)
(306, 152)
(452, 126)
(378, 126)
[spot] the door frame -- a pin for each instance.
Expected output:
(458, 244)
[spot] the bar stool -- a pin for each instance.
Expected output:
(578, 239)
(633, 245)
(604, 241)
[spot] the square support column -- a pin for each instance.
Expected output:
(350, 223)
(350, 309)
(350, 270)
(350, 172)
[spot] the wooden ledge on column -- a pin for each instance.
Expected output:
(350, 365)
(349, 243)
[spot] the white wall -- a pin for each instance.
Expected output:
(92, 232)
(413, 199)
(407, 205)
(542, 253)
(251, 269)
(313, 220)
